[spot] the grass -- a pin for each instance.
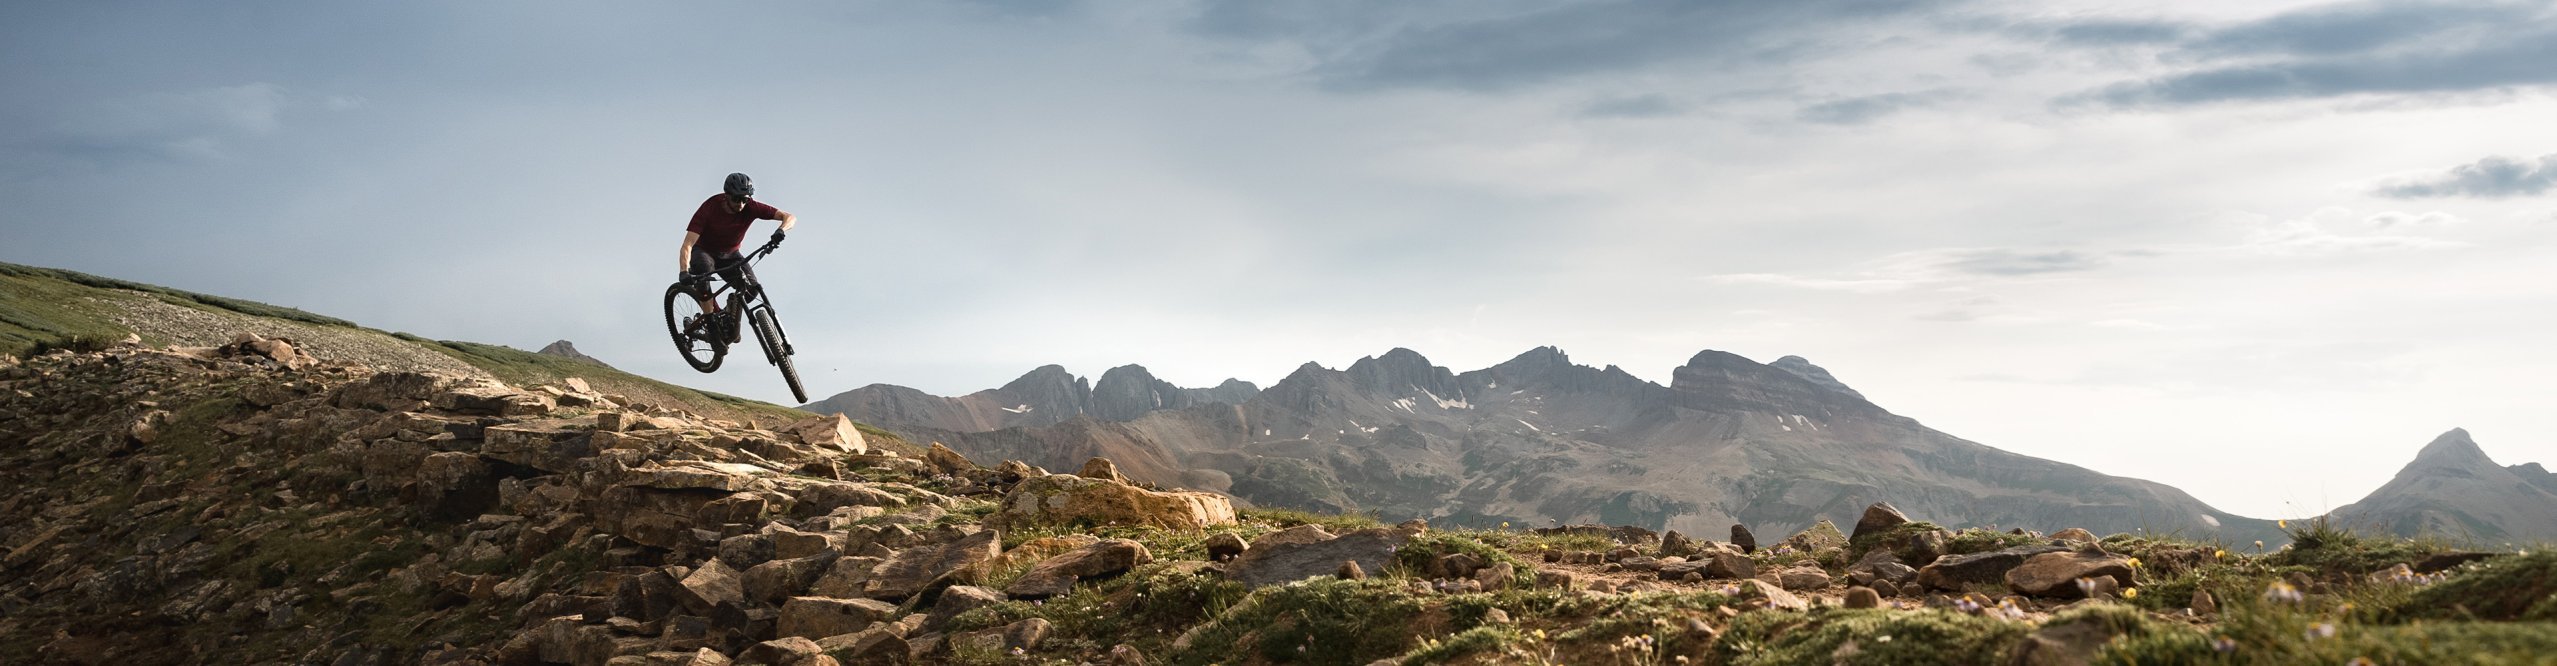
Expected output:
(1878, 636)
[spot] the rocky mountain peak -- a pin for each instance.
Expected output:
(568, 349)
(1818, 376)
(1400, 371)
(2453, 451)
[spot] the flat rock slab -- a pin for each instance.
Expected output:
(1057, 575)
(1068, 499)
(1289, 561)
(2057, 574)
(1953, 572)
(919, 569)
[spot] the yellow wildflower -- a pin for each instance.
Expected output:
(2131, 593)
(2219, 554)
(2284, 524)
(2135, 563)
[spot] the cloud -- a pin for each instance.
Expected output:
(1637, 106)
(2336, 230)
(1928, 267)
(1485, 47)
(2001, 261)
(1859, 286)
(2489, 178)
(2352, 49)
(1859, 110)
(191, 124)
(2112, 32)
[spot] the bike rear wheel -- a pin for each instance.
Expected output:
(777, 350)
(701, 347)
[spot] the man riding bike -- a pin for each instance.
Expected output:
(711, 241)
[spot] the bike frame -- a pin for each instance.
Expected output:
(745, 299)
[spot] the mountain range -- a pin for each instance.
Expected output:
(1540, 440)
(2453, 490)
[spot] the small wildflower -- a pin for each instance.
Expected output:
(2086, 587)
(2321, 630)
(2131, 593)
(1504, 524)
(2259, 544)
(1885, 638)
(1019, 652)
(2135, 563)
(1540, 634)
(2219, 554)
(2283, 592)
(2224, 644)
(2284, 524)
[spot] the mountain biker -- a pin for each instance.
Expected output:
(718, 228)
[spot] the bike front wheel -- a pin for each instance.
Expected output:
(777, 350)
(700, 343)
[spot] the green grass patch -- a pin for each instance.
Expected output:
(1322, 621)
(2517, 587)
(1879, 636)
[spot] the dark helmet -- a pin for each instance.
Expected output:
(740, 186)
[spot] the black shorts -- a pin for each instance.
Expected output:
(736, 272)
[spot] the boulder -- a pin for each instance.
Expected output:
(1101, 469)
(1066, 499)
(819, 617)
(790, 543)
(946, 461)
(1225, 546)
(1763, 595)
(829, 432)
(1057, 575)
(1822, 534)
(1954, 572)
(1803, 579)
(1674, 544)
(1275, 561)
(692, 475)
(874, 647)
(959, 599)
(781, 652)
(1741, 537)
(1878, 518)
(1863, 597)
(922, 569)
(776, 580)
(846, 577)
(2056, 574)
(710, 585)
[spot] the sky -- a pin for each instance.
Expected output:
(2260, 251)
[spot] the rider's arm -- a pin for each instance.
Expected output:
(684, 259)
(786, 218)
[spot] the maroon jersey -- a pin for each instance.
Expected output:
(723, 231)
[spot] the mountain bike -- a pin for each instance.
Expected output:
(704, 338)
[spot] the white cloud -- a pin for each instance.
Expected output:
(2335, 230)
(194, 123)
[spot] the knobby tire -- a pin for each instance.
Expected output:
(680, 303)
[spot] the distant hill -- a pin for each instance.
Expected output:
(2453, 490)
(1047, 395)
(568, 350)
(1539, 439)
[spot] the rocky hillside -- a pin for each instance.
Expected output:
(57, 309)
(1046, 396)
(253, 503)
(2452, 490)
(1539, 439)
